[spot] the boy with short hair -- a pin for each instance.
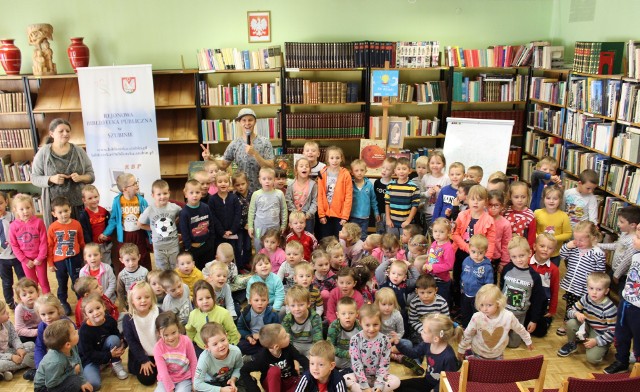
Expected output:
(268, 208)
(297, 222)
(293, 251)
(460, 202)
(497, 181)
(476, 272)
(342, 329)
(408, 232)
(177, 299)
(628, 220)
(303, 324)
(275, 362)
(219, 365)
(522, 286)
(322, 374)
(61, 368)
(543, 175)
(364, 198)
(196, 225)
(592, 320)
(187, 271)
(93, 218)
(205, 183)
(350, 239)
(401, 199)
(130, 274)
(540, 262)
(426, 301)
(85, 286)
(580, 203)
(66, 242)
(281, 180)
(254, 317)
(475, 174)
(311, 151)
(449, 192)
(160, 218)
(380, 187)
(303, 276)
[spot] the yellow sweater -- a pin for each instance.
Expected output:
(557, 224)
(191, 279)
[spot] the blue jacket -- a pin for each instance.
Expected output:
(475, 275)
(364, 200)
(445, 198)
(275, 286)
(244, 321)
(115, 220)
(538, 182)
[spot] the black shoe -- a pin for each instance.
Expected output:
(29, 375)
(567, 349)
(617, 367)
(67, 308)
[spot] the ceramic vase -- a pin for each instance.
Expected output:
(78, 53)
(10, 57)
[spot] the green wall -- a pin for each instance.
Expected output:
(160, 31)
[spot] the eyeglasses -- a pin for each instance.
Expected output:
(134, 184)
(495, 205)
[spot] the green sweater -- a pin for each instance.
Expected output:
(55, 367)
(304, 334)
(220, 315)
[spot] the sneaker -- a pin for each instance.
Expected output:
(29, 375)
(567, 349)
(67, 308)
(617, 367)
(8, 376)
(413, 365)
(118, 369)
(561, 331)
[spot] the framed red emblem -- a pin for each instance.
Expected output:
(129, 84)
(259, 24)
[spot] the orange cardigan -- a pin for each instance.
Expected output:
(484, 226)
(342, 195)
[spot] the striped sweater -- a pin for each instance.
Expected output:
(401, 198)
(601, 317)
(418, 309)
(623, 252)
(579, 266)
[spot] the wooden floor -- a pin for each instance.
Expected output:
(558, 368)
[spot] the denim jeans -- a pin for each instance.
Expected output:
(364, 226)
(65, 269)
(91, 371)
(6, 274)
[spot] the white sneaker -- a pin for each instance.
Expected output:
(118, 369)
(8, 376)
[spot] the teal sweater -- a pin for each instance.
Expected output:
(55, 367)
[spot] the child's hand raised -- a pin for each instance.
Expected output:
(571, 244)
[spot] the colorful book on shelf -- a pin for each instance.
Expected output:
(493, 56)
(242, 94)
(221, 59)
(602, 58)
(626, 145)
(221, 130)
(325, 125)
(547, 119)
(303, 91)
(548, 57)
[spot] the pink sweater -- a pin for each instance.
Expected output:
(503, 236)
(27, 321)
(334, 297)
(175, 364)
(378, 253)
(277, 258)
(28, 239)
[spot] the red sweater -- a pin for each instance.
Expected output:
(308, 241)
(523, 223)
(65, 240)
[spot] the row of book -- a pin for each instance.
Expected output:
(242, 94)
(589, 131)
(15, 138)
(416, 54)
(539, 146)
(516, 115)
(515, 156)
(303, 91)
(426, 92)
(489, 88)
(626, 145)
(547, 119)
(527, 167)
(624, 180)
(610, 209)
(325, 125)
(12, 102)
(596, 96)
(546, 56)
(633, 59)
(548, 90)
(214, 131)
(14, 171)
(411, 126)
(629, 108)
(37, 199)
(577, 160)
(493, 56)
(236, 59)
(602, 58)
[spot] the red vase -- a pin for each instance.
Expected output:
(78, 53)
(10, 57)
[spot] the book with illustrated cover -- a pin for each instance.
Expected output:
(285, 162)
(373, 153)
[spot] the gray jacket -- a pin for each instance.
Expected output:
(310, 206)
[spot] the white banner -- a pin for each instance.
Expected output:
(118, 112)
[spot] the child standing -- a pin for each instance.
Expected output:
(552, 220)
(125, 213)
(297, 222)
(275, 362)
(139, 331)
(370, 350)
(592, 320)
(263, 273)
(449, 192)
(267, 209)
(241, 187)
(323, 277)
(178, 298)
(441, 257)
(26, 316)
(523, 289)
(66, 243)
(311, 151)
(271, 240)
(491, 320)
(580, 203)
(364, 198)
(544, 175)
(628, 220)
(187, 271)
(346, 283)
(281, 180)
(93, 218)
(335, 194)
(302, 195)
(132, 272)
(322, 374)
(495, 208)
(254, 317)
(196, 225)
(432, 183)
(211, 167)
(174, 355)
(160, 218)
(523, 222)
(549, 276)
(28, 239)
(286, 273)
(401, 199)
(303, 324)
(380, 187)
(475, 174)
(227, 212)
(99, 270)
(8, 261)
(351, 242)
(100, 342)
(582, 257)
(203, 179)
(476, 272)
(426, 301)
(14, 355)
(61, 369)
(219, 365)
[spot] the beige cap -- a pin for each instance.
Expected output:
(246, 112)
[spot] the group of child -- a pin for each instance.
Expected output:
(483, 257)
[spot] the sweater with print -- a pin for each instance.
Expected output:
(196, 224)
(370, 359)
(28, 239)
(524, 292)
(488, 337)
(600, 317)
(175, 364)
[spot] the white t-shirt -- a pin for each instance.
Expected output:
(428, 181)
